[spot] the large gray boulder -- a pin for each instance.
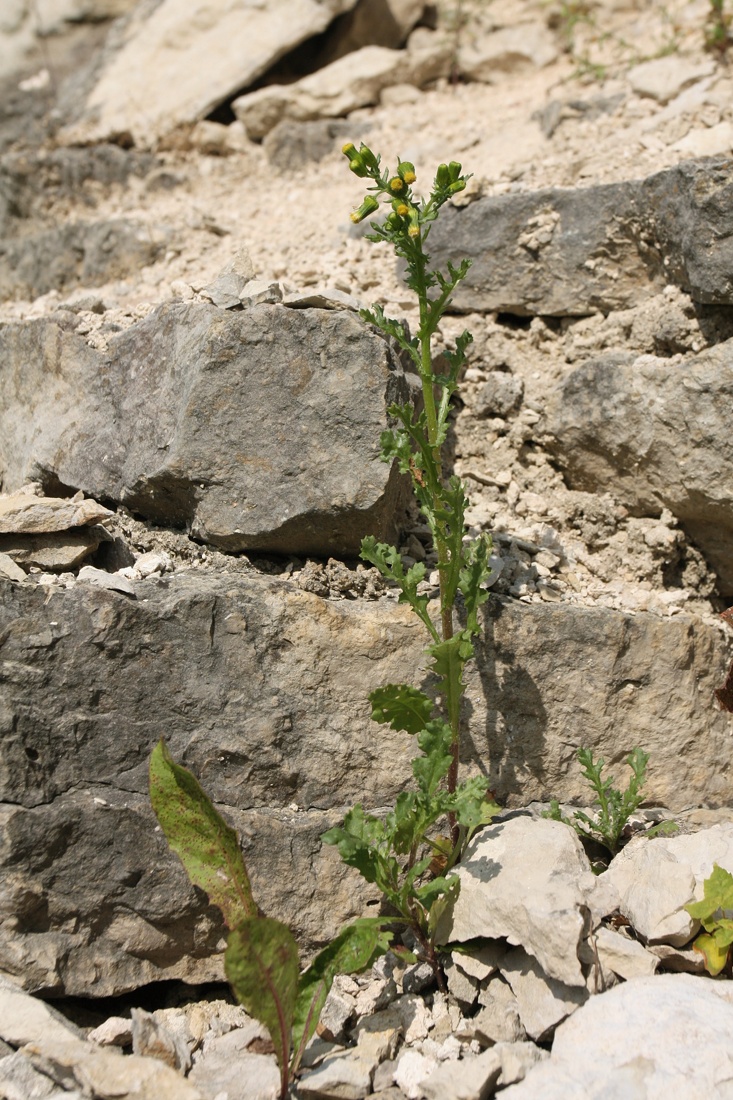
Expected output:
(261, 689)
(256, 430)
(658, 431)
(569, 252)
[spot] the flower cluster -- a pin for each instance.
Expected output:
(408, 215)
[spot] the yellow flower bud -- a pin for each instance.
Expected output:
(368, 156)
(400, 207)
(406, 171)
(414, 231)
(368, 207)
(396, 184)
(349, 150)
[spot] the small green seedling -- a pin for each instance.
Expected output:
(715, 912)
(717, 28)
(261, 958)
(614, 806)
(403, 853)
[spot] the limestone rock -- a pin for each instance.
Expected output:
(82, 253)
(346, 1075)
(20, 1081)
(174, 65)
(659, 431)
(508, 50)
(258, 429)
(116, 1031)
(114, 582)
(227, 1067)
(472, 1078)
(656, 878)
(56, 552)
(548, 252)
(413, 1068)
(522, 880)
(627, 958)
(152, 1039)
(636, 1040)
(9, 569)
(103, 1071)
(543, 1002)
(663, 78)
(95, 904)
(355, 80)
(498, 1019)
(27, 514)
(24, 1019)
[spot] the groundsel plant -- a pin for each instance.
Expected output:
(404, 854)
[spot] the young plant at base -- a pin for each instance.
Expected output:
(615, 807)
(261, 959)
(400, 852)
(714, 912)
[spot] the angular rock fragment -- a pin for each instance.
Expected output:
(227, 1066)
(542, 1001)
(523, 881)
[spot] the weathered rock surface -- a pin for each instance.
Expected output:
(599, 248)
(659, 431)
(639, 1040)
(656, 879)
(90, 253)
(174, 65)
(355, 80)
(508, 50)
(257, 429)
(522, 880)
(261, 689)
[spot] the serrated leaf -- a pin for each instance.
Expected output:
(208, 847)
(358, 842)
(449, 657)
(435, 741)
(403, 707)
(473, 575)
(471, 805)
(261, 964)
(355, 948)
(717, 897)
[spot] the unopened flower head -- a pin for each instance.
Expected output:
(396, 184)
(368, 207)
(400, 207)
(406, 171)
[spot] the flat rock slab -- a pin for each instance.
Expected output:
(658, 430)
(261, 689)
(570, 252)
(26, 514)
(257, 430)
(641, 1039)
(172, 63)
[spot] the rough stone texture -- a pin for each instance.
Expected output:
(257, 429)
(625, 957)
(659, 431)
(523, 881)
(663, 78)
(86, 253)
(262, 690)
(105, 1072)
(27, 514)
(656, 878)
(640, 1040)
(471, 1079)
(599, 248)
(542, 1001)
(173, 64)
(508, 50)
(355, 80)
(24, 1018)
(227, 1068)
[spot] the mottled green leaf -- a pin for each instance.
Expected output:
(717, 896)
(261, 964)
(197, 833)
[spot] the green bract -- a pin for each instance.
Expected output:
(403, 853)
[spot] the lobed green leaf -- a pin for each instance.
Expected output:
(403, 707)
